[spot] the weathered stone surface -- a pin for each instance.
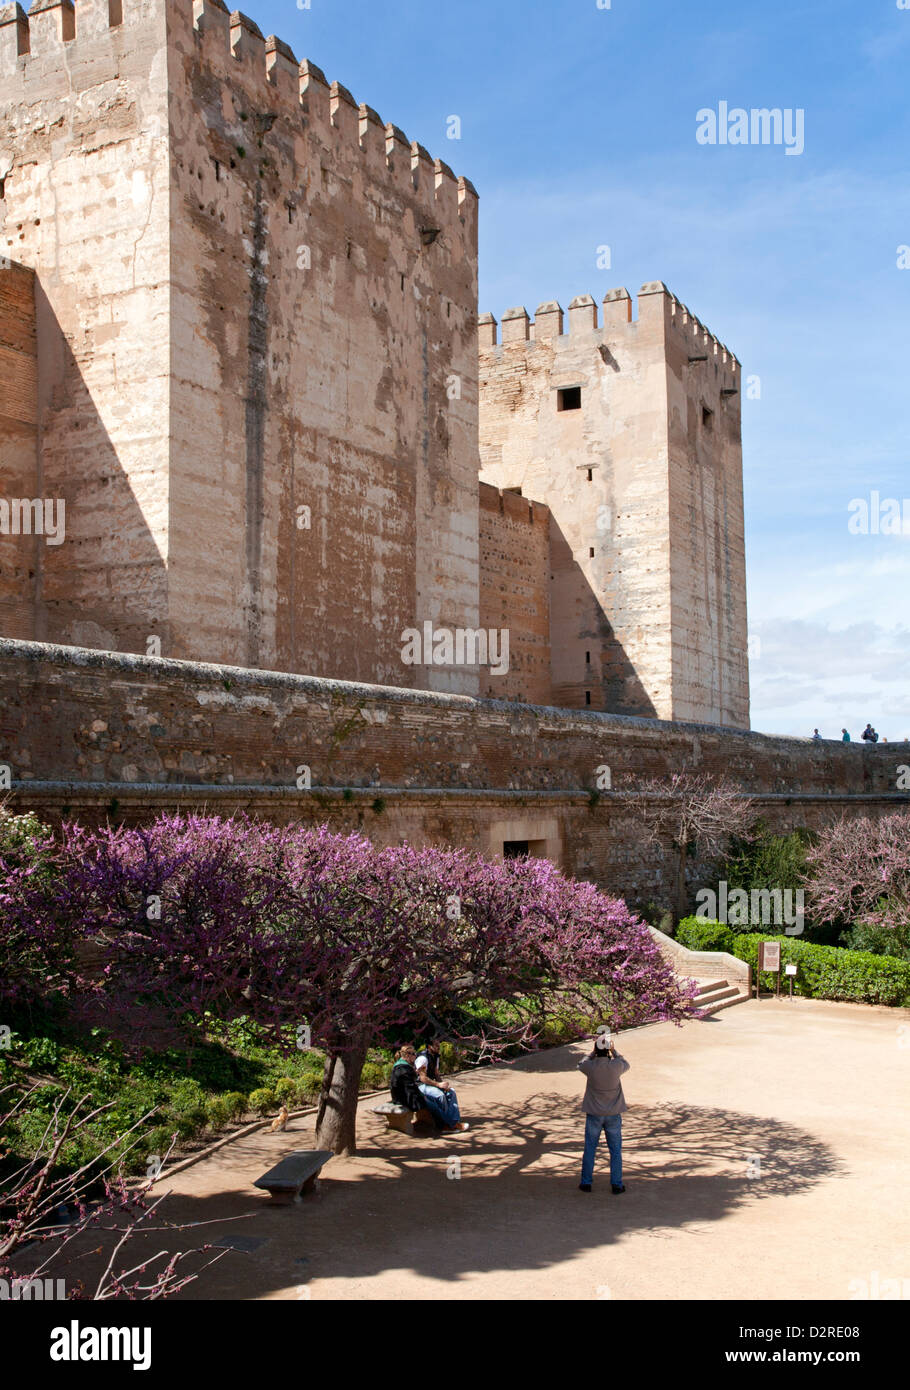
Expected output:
(128, 735)
(249, 372)
(257, 377)
(515, 592)
(20, 555)
(644, 486)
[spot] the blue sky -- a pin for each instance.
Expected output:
(578, 129)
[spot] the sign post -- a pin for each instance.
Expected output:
(768, 959)
(790, 972)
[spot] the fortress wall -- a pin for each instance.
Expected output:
(323, 357)
(514, 592)
(253, 299)
(658, 527)
(130, 735)
(20, 549)
(85, 205)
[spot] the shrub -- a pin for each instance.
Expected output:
(24, 839)
(189, 1123)
(286, 1090)
(374, 1077)
(767, 861)
(308, 1087)
(832, 972)
(237, 1104)
(880, 940)
(218, 1111)
(701, 935)
(187, 1107)
(41, 1053)
(262, 1101)
(156, 1142)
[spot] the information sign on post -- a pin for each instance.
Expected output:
(768, 959)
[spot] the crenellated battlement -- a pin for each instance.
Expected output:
(655, 302)
(51, 28)
(53, 33)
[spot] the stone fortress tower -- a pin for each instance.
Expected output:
(239, 340)
(629, 432)
(250, 298)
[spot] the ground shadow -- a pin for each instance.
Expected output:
(503, 1197)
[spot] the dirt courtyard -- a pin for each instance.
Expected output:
(765, 1156)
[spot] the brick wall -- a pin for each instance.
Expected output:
(92, 733)
(514, 592)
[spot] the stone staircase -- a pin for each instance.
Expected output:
(714, 995)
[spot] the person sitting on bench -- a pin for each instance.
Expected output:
(406, 1091)
(430, 1084)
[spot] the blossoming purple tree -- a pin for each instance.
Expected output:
(325, 941)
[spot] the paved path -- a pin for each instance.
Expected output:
(810, 1098)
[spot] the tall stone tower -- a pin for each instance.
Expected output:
(254, 325)
(629, 432)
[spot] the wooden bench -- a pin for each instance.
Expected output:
(401, 1118)
(294, 1174)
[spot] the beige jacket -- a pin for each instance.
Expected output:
(603, 1093)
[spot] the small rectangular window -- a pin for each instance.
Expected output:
(587, 697)
(587, 658)
(590, 552)
(569, 398)
(707, 417)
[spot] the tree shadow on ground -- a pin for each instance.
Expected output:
(503, 1197)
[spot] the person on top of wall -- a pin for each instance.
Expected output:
(846, 736)
(603, 1104)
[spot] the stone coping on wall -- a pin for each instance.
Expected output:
(266, 791)
(160, 668)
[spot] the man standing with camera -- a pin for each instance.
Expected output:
(603, 1105)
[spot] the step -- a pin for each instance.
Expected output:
(723, 1001)
(707, 986)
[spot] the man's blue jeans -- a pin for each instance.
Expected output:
(443, 1105)
(612, 1127)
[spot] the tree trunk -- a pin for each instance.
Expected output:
(682, 896)
(336, 1122)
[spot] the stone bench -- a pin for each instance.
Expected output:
(294, 1174)
(401, 1118)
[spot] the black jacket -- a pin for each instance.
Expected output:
(404, 1086)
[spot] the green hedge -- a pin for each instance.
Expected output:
(823, 972)
(831, 972)
(701, 935)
